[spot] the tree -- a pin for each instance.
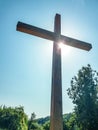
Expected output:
(13, 118)
(46, 126)
(71, 124)
(84, 94)
(69, 121)
(34, 126)
(33, 116)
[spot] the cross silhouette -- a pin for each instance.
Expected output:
(56, 121)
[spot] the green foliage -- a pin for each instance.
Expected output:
(16, 119)
(65, 127)
(34, 126)
(43, 120)
(33, 116)
(71, 124)
(13, 118)
(33, 123)
(46, 126)
(69, 121)
(84, 93)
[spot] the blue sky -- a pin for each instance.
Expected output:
(26, 60)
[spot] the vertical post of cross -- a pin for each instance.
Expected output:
(56, 121)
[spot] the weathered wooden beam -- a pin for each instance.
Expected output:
(42, 33)
(75, 43)
(23, 27)
(56, 119)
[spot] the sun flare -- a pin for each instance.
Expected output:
(64, 48)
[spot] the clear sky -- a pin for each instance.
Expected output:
(26, 60)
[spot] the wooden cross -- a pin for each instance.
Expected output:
(56, 121)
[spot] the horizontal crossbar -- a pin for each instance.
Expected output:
(42, 33)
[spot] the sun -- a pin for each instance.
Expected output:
(64, 48)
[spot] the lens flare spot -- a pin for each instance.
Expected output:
(64, 48)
